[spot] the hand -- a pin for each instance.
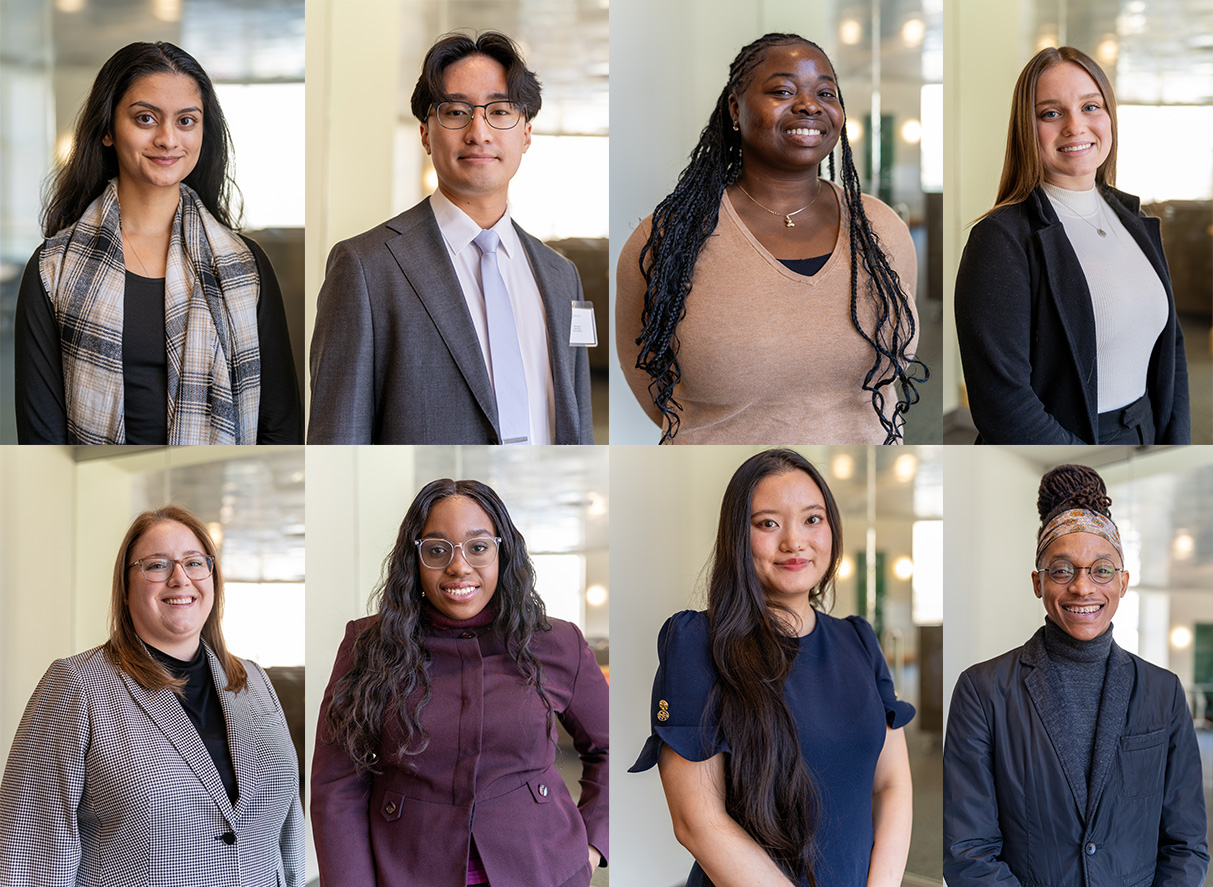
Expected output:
(595, 857)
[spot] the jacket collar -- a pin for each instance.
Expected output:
(1048, 697)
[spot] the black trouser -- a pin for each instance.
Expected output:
(1132, 425)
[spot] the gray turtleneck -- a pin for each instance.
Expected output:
(1080, 667)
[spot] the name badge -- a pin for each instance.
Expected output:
(583, 331)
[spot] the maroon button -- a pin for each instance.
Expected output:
(467, 634)
(543, 791)
(390, 808)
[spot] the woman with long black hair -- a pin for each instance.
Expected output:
(761, 303)
(434, 759)
(144, 317)
(775, 726)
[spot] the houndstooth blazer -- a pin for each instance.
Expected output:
(110, 784)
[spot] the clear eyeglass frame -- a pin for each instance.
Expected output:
(1062, 572)
(472, 555)
(500, 114)
(159, 568)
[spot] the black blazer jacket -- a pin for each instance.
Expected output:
(1016, 813)
(1026, 329)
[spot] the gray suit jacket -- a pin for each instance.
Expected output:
(108, 783)
(395, 358)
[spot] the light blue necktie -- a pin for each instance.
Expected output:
(505, 355)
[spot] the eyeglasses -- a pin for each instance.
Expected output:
(1063, 572)
(499, 115)
(437, 554)
(159, 569)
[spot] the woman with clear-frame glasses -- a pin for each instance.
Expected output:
(159, 755)
(1069, 760)
(435, 749)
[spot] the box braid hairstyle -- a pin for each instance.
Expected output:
(687, 217)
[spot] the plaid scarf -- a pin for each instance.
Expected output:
(211, 289)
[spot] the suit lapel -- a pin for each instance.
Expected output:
(1046, 694)
(421, 254)
(165, 711)
(240, 735)
(558, 311)
(1113, 709)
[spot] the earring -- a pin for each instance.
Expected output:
(736, 128)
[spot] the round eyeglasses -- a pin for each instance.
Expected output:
(499, 115)
(158, 569)
(1063, 572)
(437, 554)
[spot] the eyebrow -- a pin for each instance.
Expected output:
(463, 97)
(813, 507)
(166, 554)
(468, 535)
(1081, 98)
(151, 107)
(792, 76)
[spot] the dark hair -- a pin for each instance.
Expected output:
(125, 650)
(1022, 168)
(1071, 486)
(687, 217)
(90, 165)
(768, 790)
(389, 676)
(522, 86)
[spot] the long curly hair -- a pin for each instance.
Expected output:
(687, 217)
(389, 677)
(90, 165)
(768, 789)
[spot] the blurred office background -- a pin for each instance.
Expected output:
(64, 512)
(1161, 502)
(365, 160)
(50, 53)
(666, 503)
(888, 55)
(558, 497)
(1157, 57)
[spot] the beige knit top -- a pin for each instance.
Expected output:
(768, 356)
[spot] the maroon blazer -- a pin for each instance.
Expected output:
(488, 772)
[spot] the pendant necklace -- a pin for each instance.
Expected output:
(787, 217)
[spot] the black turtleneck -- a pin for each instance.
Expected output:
(1081, 666)
(201, 703)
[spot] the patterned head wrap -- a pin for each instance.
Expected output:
(1078, 520)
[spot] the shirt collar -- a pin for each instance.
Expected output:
(459, 229)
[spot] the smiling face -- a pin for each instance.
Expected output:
(169, 615)
(157, 131)
(459, 591)
(789, 114)
(1073, 126)
(1082, 608)
(478, 161)
(790, 537)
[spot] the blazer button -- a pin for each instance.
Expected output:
(467, 634)
(1090, 848)
(543, 791)
(389, 808)
(227, 838)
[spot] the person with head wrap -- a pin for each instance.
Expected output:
(1069, 760)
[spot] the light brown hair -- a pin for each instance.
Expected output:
(125, 649)
(1022, 169)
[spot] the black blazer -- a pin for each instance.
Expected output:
(1026, 329)
(1014, 813)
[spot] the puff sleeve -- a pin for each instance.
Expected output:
(683, 711)
(897, 713)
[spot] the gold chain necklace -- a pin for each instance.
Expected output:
(126, 239)
(787, 217)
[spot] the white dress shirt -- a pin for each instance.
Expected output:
(458, 232)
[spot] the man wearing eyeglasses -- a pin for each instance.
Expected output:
(449, 324)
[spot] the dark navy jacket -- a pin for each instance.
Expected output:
(1026, 329)
(1011, 816)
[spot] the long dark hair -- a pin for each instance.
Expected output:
(768, 788)
(390, 672)
(684, 220)
(90, 165)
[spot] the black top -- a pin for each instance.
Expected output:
(41, 405)
(807, 267)
(201, 703)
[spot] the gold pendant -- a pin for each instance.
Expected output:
(787, 221)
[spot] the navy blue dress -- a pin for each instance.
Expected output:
(841, 697)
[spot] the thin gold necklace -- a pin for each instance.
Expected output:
(787, 217)
(126, 239)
